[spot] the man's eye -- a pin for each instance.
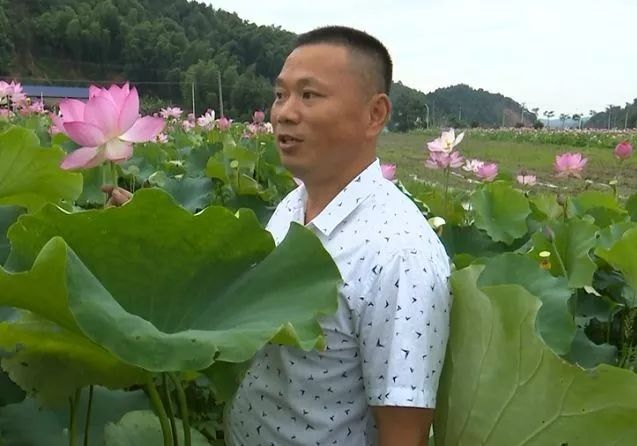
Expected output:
(309, 95)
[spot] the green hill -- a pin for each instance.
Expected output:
(165, 47)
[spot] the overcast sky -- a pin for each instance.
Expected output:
(563, 55)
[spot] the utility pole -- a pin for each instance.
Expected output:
(427, 117)
(220, 93)
(193, 98)
(460, 113)
(626, 120)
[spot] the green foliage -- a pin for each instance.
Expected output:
(502, 386)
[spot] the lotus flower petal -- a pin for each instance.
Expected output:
(129, 112)
(118, 150)
(93, 91)
(72, 110)
(102, 113)
(82, 158)
(389, 171)
(144, 129)
(85, 134)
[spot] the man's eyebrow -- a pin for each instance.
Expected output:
(300, 82)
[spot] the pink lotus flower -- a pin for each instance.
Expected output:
(224, 123)
(443, 160)
(106, 126)
(187, 125)
(258, 117)
(487, 172)
(5, 113)
(472, 165)
(37, 108)
(527, 180)
(623, 150)
(171, 113)
(57, 125)
(207, 121)
(161, 138)
(389, 171)
(570, 164)
(13, 91)
(446, 142)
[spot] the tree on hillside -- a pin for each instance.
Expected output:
(548, 114)
(563, 118)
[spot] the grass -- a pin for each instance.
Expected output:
(408, 152)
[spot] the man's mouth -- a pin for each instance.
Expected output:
(286, 141)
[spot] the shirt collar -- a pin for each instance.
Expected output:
(348, 199)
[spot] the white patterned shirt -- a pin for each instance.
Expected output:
(385, 345)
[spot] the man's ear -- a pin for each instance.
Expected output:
(379, 112)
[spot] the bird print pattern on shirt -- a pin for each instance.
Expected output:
(384, 346)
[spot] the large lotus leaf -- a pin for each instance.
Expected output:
(93, 179)
(591, 199)
(586, 353)
(30, 175)
(192, 193)
(41, 290)
(573, 243)
(554, 324)
(147, 159)
(610, 235)
(623, 256)
(468, 242)
(8, 216)
(52, 363)
(631, 207)
(26, 424)
(196, 159)
(545, 207)
(142, 427)
(10, 393)
(501, 386)
(164, 289)
(501, 211)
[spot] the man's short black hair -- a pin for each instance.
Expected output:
(361, 43)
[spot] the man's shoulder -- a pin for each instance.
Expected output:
(398, 222)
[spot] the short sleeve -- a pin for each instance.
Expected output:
(404, 328)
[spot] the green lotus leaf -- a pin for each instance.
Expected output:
(502, 386)
(623, 256)
(631, 207)
(611, 234)
(587, 354)
(51, 363)
(501, 211)
(193, 194)
(166, 290)
(8, 216)
(26, 424)
(147, 159)
(574, 242)
(142, 427)
(30, 175)
(196, 159)
(471, 241)
(545, 207)
(41, 290)
(554, 323)
(591, 199)
(10, 393)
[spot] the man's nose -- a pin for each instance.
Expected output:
(288, 111)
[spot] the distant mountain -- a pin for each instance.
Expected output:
(456, 106)
(615, 117)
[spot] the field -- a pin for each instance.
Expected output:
(408, 151)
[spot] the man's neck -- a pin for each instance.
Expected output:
(320, 193)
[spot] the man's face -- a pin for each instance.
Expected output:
(320, 112)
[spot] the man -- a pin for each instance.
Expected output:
(376, 381)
